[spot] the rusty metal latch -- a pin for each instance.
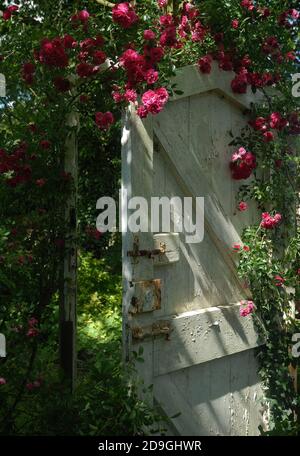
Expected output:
(161, 327)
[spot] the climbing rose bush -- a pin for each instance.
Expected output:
(93, 61)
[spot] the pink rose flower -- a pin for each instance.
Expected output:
(247, 308)
(154, 101)
(235, 24)
(162, 3)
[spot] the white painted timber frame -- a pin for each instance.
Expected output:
(199, 354)
(2, 85)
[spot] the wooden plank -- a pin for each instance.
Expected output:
(204, 335)
(245, 395)
(219, 402)
(189, 171)
(137, 180)
(213, 398)
(199, 279)
(192, 82)
(173, 400)
(217, 223)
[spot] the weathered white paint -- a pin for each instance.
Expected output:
(191, 82)
(169, 244)
(205, 366)
(137, 171)
(204, 334)
(2, 346)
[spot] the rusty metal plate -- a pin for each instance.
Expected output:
(146, 297)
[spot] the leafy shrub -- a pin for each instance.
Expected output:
(106, 400)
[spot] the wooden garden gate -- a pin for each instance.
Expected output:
(181, 301)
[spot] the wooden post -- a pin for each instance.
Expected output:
(106, 3)
(68, 299)
(2, 85)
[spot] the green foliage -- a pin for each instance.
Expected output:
(106, 400)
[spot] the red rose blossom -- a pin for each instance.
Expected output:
(242, 164)
(69, 42)
(168, 37)
(268, 136)
(277, 122)
(247, 308)
(104, 120)
(118, 96)
(149, 35)
(40, 182)
(99, 57)
(45, 144)
(130, 95)
(124, 15)
(28, 70)
(235, 23)
(52, 53)
(204, 64)
(259, 124)
(240, 83)
(154, 101)
(151, 76)
(242, 206)
(279, 281)
(83, 15)
(32, 322)
(10, 10)
(269, 222)
(248, 4)
(84, 70)
(198, 33)
(156, 54)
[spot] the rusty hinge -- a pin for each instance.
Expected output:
(143, 253)
(161, 327)
(136, 252)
